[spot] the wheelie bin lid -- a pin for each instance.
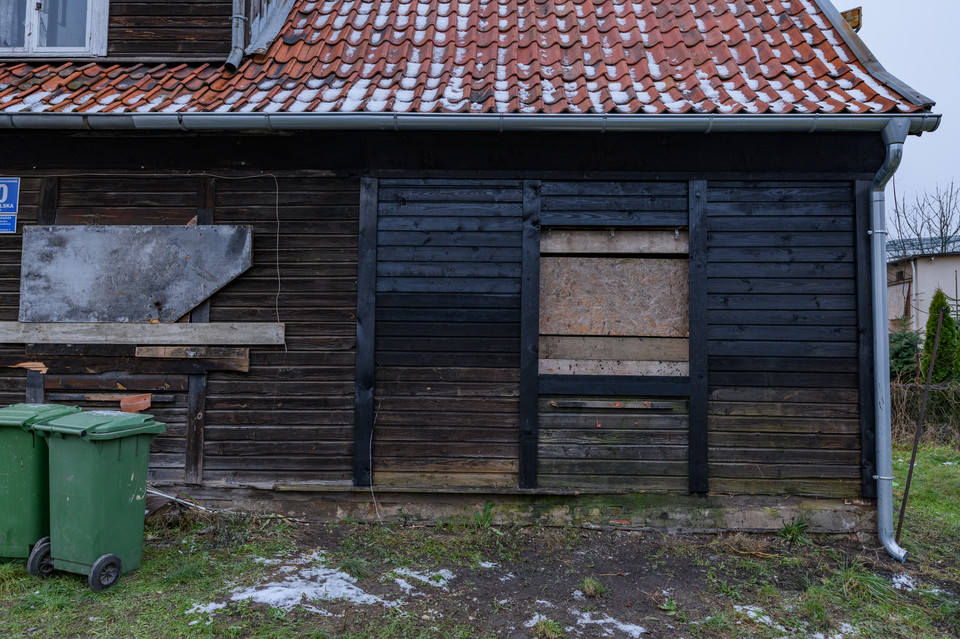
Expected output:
(98, 425)
(25, 416)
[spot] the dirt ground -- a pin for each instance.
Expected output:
(366, 580)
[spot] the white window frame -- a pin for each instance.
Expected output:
(98, 14)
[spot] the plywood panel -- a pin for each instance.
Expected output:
(633, 297)
(613, 241)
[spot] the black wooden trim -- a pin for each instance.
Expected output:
(624, 385)
(698, 338)
(197, 383)
(529, 335)
(868, 443)
(34, 387)
(366, 323)
(196, 419)
(47, 203)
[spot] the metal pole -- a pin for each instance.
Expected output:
(923, 409)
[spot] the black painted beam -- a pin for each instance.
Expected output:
(698, 443)
(366, 322)
(529, 335)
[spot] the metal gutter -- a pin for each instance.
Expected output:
(237, 35)
(587, 122)
(866, 57)
(894, 135)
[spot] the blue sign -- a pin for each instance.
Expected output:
(9, 204)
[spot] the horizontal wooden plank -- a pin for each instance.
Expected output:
(745, 348)
(184, 352)
(812, 441)
(117, 382)
(781, 286)
(780, 223)
(476, 223)
(814, 254)
(786, 395)
(425, 479)
(549, 189)
(611, 437)
(473, 214)
(627, 348)
(781, 378)
(755, 269)
(222, 333)
(824, 488)
(581, 422)
(809, 317)
(644, 218)
(776, 470)
(671, 484)
(775, 424)
(489, 255)
(449, 269)
(413, 197)
(620, 451)
(480, 285)
(452, 301)
(448, 344)
(792, 409)
(622, 241)
(779, 239)
(447, 238)
(611, 367)
(621, 406)
(447, 329)
(782, 302)
(612, 467)
(718, 192)
(614, 385)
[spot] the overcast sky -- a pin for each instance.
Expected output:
(913, 40)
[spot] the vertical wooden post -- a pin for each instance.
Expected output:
(47, 204)
(34, 387)
(197, 384)
(868, 441)
(698, 443)
(366, 325)
(529, 335)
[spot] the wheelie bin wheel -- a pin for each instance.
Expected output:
(104, 573)
(40, 563)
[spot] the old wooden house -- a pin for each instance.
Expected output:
(587, 258)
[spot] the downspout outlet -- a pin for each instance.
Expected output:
(237, 36)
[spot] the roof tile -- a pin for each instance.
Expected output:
(498, 56)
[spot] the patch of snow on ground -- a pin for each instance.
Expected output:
(439, 579)
(536, 617)
(903, 581)
(508, 577)
(205, 609)
(545, 603)
(757, 614)
(578, 595)
(309, 582)
(488, 564)
(846, 630)
(606, 623)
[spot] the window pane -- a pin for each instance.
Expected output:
(63, 23)
(13, 14)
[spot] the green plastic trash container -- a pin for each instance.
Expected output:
(24, 513)
(98, 486)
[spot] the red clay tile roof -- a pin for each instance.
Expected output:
(498, 56)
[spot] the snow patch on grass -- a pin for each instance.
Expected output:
(606, 623)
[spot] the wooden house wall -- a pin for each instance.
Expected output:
(150, 29)
(785, 316)
(784, 414)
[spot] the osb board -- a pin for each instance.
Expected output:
(613, 367)
(671, 349)
(631, 297)
(614, 241)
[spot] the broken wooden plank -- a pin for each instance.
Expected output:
(106, 397)
(216, 334)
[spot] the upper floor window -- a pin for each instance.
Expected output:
(54, 28)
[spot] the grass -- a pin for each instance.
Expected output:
(711, 587)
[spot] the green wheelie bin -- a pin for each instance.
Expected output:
(24, 510)
(98, 486)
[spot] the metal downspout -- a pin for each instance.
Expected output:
(894, 135)
(237, 36)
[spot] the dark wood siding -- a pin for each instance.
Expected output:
(198, 29)
(290, 418)
(783, 338)
(447, 332)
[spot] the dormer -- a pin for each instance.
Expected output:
(148, 31)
